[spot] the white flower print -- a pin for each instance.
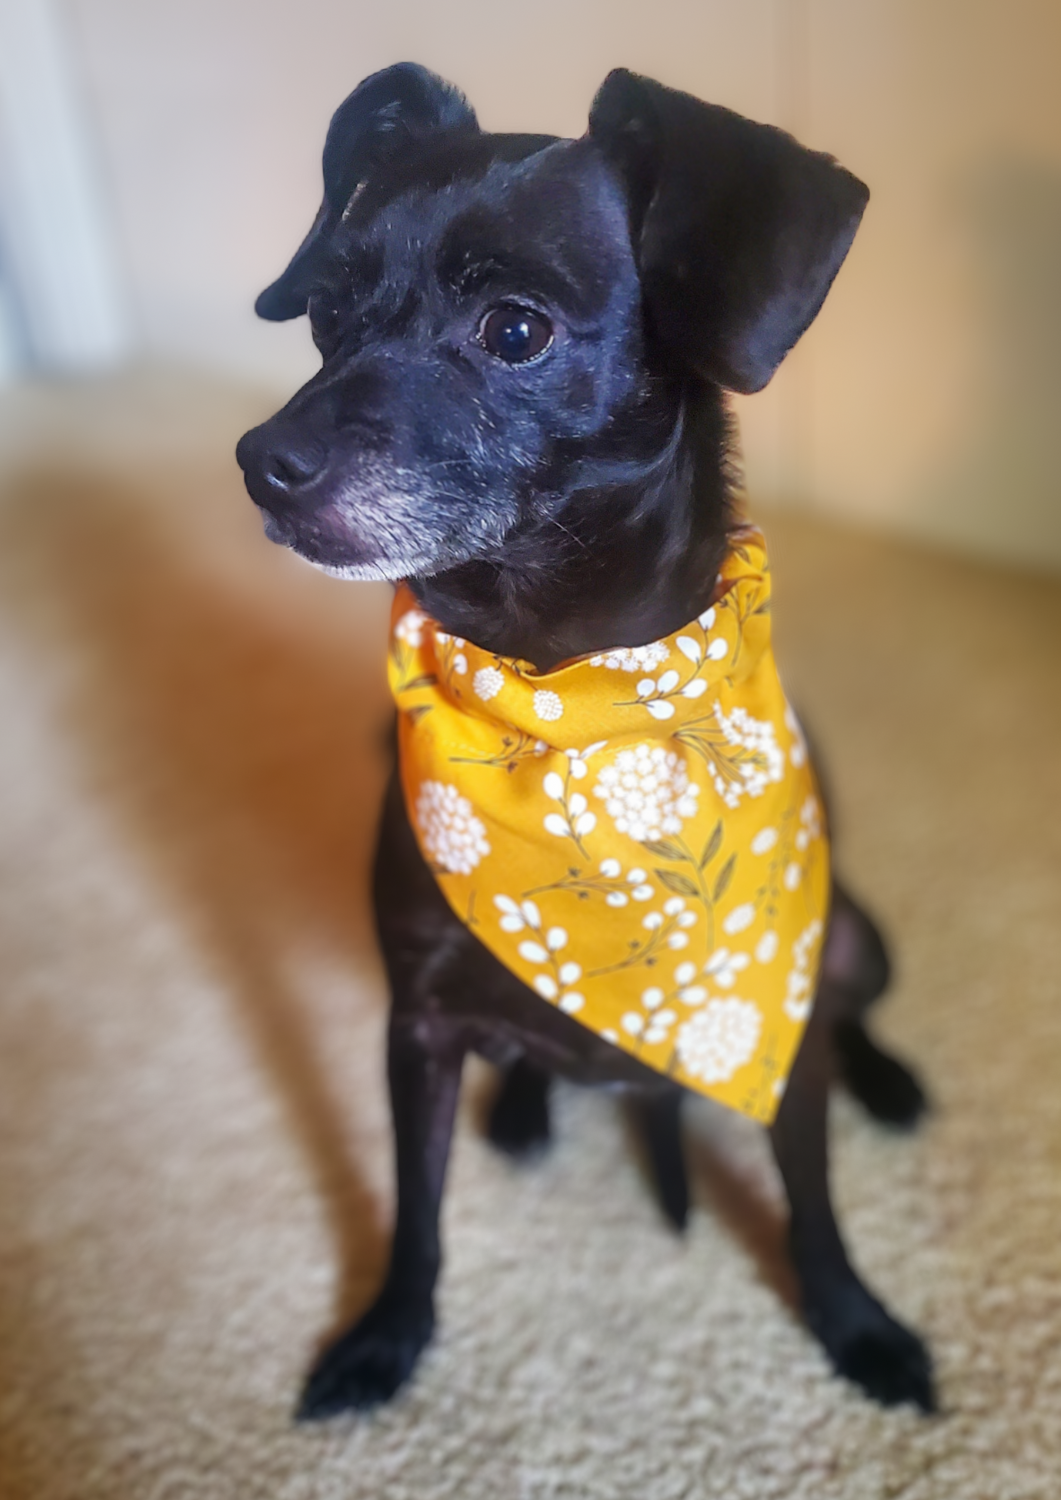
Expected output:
(548, 705)
(810, 823)
(410, 628)
(518, 915)
(738, 919)
(719, 1039)
(659, 1024)
(577, 758)
(654, 1026)
(798, 751)
(636, 877)
(633, 658)
(758, 761)
(724, 966)
(666, 929)
(674, 907)
(450, 653)
(617, 890)
(453, 836)
(655, 695)
(575, 820)
(661, 1017)
(764, 841)
(718, 649)
(669, 924)
(487, 683)
(647, 792)
(687, 992)
(554, 983)
(800, 997)
(809, 830)
(766, 947)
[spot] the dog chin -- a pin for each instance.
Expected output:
(379, 570)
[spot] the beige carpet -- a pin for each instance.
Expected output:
(194, 1151)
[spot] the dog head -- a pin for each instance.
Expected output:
(508, 321)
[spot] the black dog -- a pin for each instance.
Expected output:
(526, 343)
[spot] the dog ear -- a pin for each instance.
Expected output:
(737, 228)
(388, 108)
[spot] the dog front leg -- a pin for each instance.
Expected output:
(864, 1341)
(368, 1363)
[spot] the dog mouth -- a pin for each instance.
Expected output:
(353, 559)
(278, 529)
(340, 559)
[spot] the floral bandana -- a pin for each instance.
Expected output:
(637, 835)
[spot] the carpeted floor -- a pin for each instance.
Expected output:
(193, 1136)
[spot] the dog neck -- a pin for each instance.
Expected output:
(620, 565)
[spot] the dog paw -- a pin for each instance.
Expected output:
(519, 1117)
(891, 1364)
(368, 1363)
(883, 1085)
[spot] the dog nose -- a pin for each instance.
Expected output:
(279, 463)
(289, 468)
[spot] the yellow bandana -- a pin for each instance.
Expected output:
(637, 835)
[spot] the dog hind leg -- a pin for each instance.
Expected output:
(883, 1085)
(519, 1122)
(660, 1120)
(368, 1363)
(864, 1341)
(855, 956)
(856, 967)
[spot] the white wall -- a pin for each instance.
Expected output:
(925, 398)
(62, 307)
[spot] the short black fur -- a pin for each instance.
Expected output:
(545, 508)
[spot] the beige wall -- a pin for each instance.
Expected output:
(926, 397)
(931, 391)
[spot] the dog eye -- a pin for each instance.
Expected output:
(515, 334)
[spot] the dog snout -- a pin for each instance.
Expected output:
(283, 464)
